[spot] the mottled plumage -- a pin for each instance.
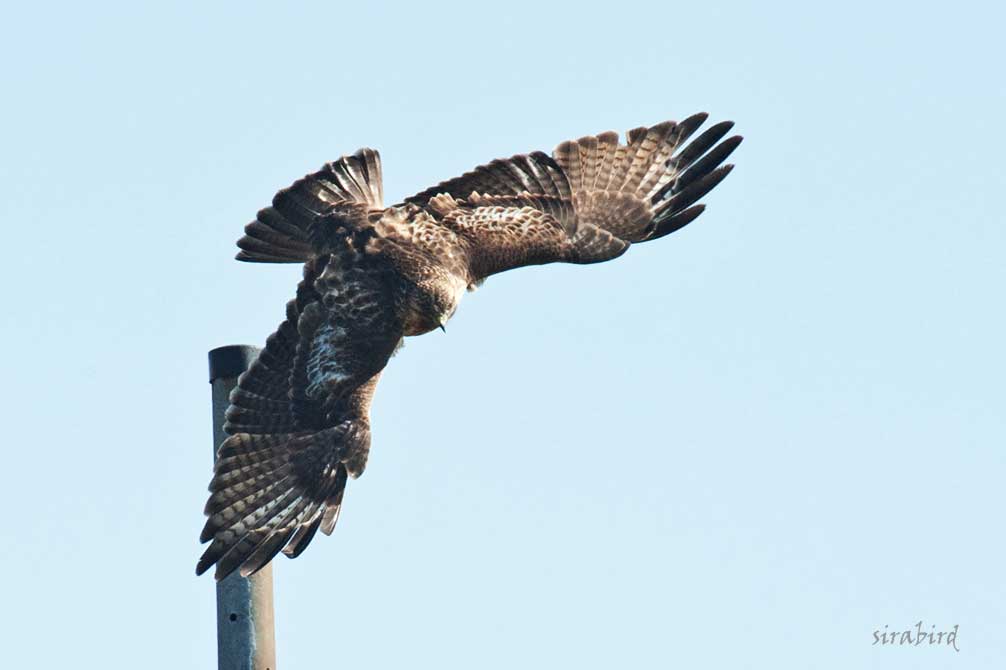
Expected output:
(299, 418)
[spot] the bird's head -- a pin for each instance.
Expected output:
(431, 306)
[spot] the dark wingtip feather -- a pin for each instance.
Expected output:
(677, 222)
(701, 144)
(709, 162)
(209, 557)
(697, 189)
(302, 538)
(265, 552)
(695, 120)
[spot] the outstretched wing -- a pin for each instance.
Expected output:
(342, 190)
(588, 201)
(299, 415)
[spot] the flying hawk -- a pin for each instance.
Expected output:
(299, 417)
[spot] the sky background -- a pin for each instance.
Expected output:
(748, 445)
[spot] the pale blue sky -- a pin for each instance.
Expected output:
(745, 446)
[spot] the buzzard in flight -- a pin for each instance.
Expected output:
(299, 417)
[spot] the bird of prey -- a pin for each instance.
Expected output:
(298, 420)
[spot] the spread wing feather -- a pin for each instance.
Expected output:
(298, 417)
(588, 201)
(281, 233)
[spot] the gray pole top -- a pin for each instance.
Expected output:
(231, 361)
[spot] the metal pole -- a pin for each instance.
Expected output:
(245, 632)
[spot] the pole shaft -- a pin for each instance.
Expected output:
(245, 630)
